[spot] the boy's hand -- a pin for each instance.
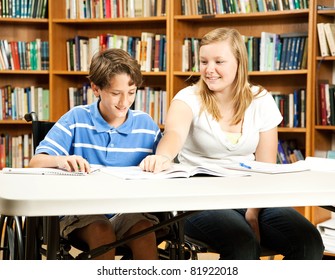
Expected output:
(73, 164)
(155, 163)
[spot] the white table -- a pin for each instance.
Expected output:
(35, 195)
(99, 193)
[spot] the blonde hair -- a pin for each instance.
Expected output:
(243, 95)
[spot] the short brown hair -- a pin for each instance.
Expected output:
(110, 62)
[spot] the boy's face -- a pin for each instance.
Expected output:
(116, 100)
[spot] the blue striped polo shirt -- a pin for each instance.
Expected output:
(83, 131)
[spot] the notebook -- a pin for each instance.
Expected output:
(41, 171)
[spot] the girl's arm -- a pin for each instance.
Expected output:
(177, 126)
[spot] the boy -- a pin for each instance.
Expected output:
(105, 133)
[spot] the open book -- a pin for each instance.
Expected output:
(176, 171)
(41, 171)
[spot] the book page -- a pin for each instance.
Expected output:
(320, 164)
(136, 172)
(175, 171)
(270, 168)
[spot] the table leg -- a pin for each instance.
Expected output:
(53, 242)
(31, 235)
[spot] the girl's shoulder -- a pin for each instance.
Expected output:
(187, 94)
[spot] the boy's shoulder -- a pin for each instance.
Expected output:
(140, 114)
(143, 117)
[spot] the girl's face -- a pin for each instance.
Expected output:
(218, 66)
(116, 100)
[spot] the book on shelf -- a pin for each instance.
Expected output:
(147, 54)
(330, 36)
(267, 44)
(81, 53)
(175, 171)
(282, 154)
(322, 104)
(324, 50)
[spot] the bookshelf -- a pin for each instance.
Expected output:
(322, 137)
(62, 28)
(25, 30)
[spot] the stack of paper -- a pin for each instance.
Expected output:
(327, 230)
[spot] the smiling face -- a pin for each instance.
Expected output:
(116, 100)
(218, 66)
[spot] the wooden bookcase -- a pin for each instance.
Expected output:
(15, 29)
(57, 29)
(322, 137)
(62, 29)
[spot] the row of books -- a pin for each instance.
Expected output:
(149, 50)
(85, 9)
(325, 104)
(292, 107)
(81, 95)
(15, 102)
(326, 36)
(24, 8)
(153, 102)
(272, 51)
(288, 152)
(149, 100)
(15, 151)
(203, 7)
(20, 55)
(269, 52)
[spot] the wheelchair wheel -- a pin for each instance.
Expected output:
(11, 241)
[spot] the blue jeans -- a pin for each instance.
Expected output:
(283, 230)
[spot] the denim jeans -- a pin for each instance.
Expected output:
(283, 230)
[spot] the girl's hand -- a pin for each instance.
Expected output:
(155, 163)
(251, 217)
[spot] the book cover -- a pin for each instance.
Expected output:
(331, 91)
(79, 51)
(15, 54)
(301, 52)
(281, 152)
(330, 36)
(303, 107)
(324, 50)
(322, 104)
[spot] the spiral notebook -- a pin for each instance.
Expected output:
(41, 171)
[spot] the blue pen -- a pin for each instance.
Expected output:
(244, 165)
